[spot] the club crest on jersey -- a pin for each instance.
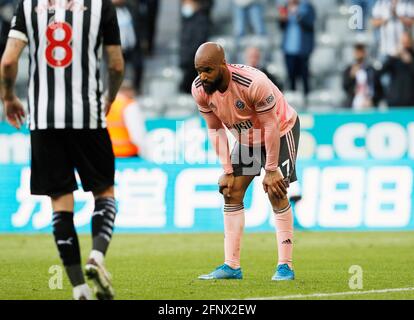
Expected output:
(240, 104)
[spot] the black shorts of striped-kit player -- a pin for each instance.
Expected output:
(57, 153)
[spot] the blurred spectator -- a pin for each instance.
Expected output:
(400, 68)
(361, 82)
(195, 29)
(297, 21)
(129, 27)
(391, 18)
(149, 13)
(207, 6)
(253, 58)
(248, 12)
(126, 124)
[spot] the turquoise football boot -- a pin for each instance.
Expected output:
(283, 272)
(223, 272)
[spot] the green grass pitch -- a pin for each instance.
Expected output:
(166, 266)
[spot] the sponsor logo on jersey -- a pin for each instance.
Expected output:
(244, 125)
(266, 101)
(270, 99)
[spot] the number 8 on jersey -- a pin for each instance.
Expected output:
(52, 31)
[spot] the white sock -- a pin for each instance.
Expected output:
(82, 290)
(97, 256)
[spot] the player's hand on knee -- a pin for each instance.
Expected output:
(274, 182)
(226, 182)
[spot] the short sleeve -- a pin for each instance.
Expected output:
(18, 28)
(263, 95)
(198, 97)
(110, 27)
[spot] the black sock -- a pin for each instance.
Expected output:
(103, 219)
(67, 244)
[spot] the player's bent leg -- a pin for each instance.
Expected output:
(67, 243)
(233, 231)
(63, 202)
(284, 233)
(103, 219)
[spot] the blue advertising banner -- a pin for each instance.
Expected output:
(355, 172)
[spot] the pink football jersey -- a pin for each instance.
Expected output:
(250, 92)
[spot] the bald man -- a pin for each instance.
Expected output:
(266, 127)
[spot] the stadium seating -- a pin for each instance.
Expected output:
(325, 99)
(295, 98)
(324, 61)
(151, 106)
(228, 43)
(183, 105)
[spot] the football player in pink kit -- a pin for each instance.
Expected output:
(266, 127)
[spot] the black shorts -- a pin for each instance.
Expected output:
(56, 153)
(248, 161)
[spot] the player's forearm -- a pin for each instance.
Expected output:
(218, 137)
(9, 66)
(116, 69)
(8, 74)
(270, 125)
(115, 77)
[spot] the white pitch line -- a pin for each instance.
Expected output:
(333, 294)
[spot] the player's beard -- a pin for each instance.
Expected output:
(213, 86)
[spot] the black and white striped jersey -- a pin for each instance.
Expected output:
(65, 39)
